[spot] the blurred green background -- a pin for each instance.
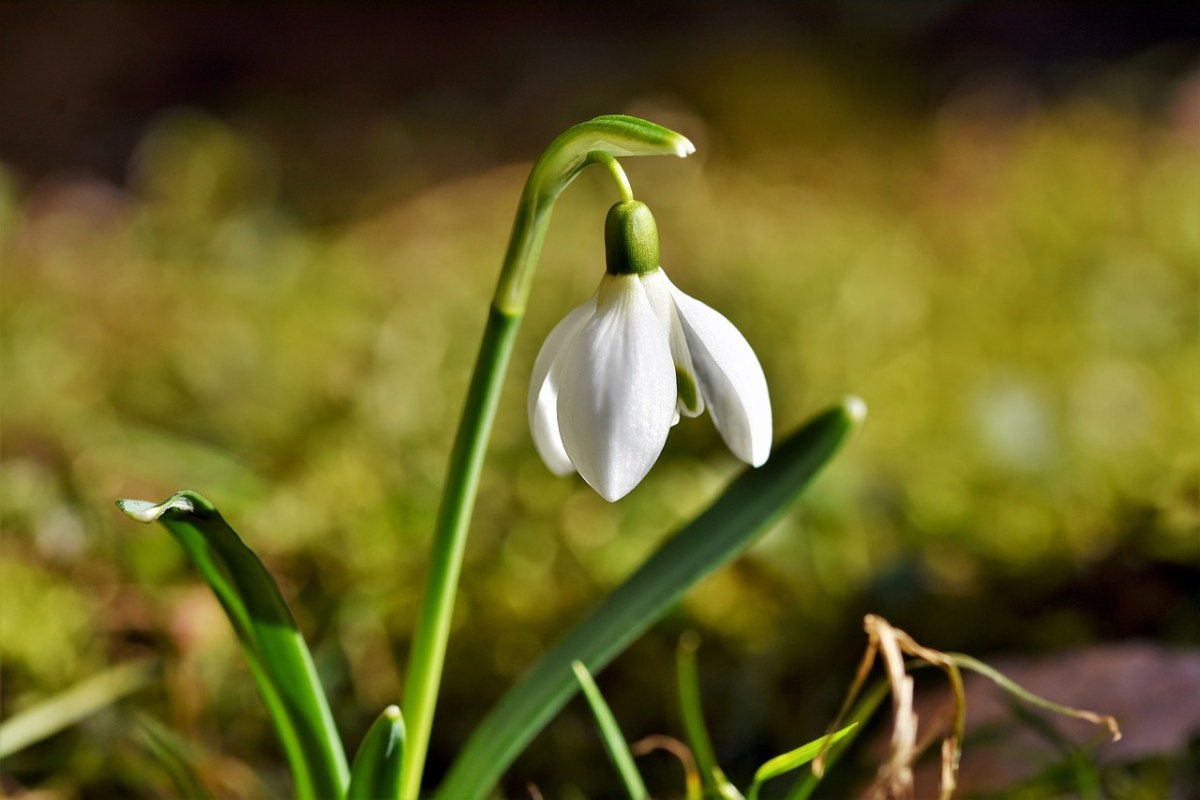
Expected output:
(249, 251)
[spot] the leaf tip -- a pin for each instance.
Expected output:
(855, 409)
(683, 146)
(392, 712)
(147, 512)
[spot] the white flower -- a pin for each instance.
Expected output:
(617, 372)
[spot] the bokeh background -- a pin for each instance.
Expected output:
(248, 250)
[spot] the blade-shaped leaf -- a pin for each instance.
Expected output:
(859, 714)
(610, 732)
(274, 649)
(693, 714)
(376, 770)
(746, 509)
(794, 759)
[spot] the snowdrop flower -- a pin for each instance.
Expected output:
(617, 372)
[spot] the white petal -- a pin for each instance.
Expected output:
(617, 390)
(543, 389)
(659, 291)
(731, 379)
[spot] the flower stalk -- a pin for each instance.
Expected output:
(600, 140)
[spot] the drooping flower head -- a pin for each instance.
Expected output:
(617, 372)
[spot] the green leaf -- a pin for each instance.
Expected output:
(862, 711)
(724, 789)
(781, 765)
(610, 732)
(713, 779)
(754, 501)
(274, 649)
(63, 710)
(376, 770)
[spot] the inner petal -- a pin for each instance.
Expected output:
(690, 401)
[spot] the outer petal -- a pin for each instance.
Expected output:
(659, 291)
(617, 391)
(543, 389)
(731, 379)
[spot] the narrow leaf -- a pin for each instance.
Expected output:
(725, 789)
(859, 714)
(610, 733)
(794, 759)
(748, 507)
(63, 710)
(274, 649)
(693, 714)
(376, 770)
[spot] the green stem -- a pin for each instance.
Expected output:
(691, 711)
(618, 173)
(595, 141)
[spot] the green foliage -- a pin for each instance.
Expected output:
(274, 648)
(377, 765)
(862, 711)
(610, 733)
(794, 759)
(692, 713)
(714, 783)
(747, 508)
(713, 779)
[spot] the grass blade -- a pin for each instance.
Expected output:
(63, 710)
(794, 759)
(376, 770)
(274, 649)
(747, 508)
(866, 707)
(610, 732)
(690, 709)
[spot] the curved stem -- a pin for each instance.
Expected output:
(618, 173)
(566, 156)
